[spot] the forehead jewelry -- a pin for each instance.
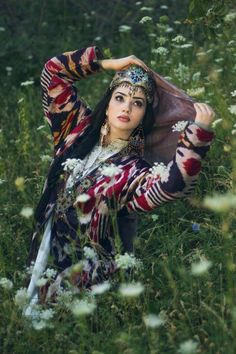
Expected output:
(137, 78)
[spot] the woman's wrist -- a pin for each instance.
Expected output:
(204, 126)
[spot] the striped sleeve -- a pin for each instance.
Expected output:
(61, 104)
(148, 190)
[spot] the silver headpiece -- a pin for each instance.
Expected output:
(136, 77)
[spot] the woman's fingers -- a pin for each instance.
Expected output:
(204, 113)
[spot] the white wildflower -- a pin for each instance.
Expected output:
(196, 76)
(179, 126)
(47, 314)
(179, 39)
(145, 19)
(21, 298)
(84, 218)
(196, 92)
(89, 253)
(41, 281)
(110, 170)
(188, 347)
(216, 122)
(161, 40)
(6, 283)
(145, 8)
(29, 270)
(27, 83)
(46, 158)
(160, 51)
(50, 273)
(82, 198)
(138, 3)
(70, 164)
(64, 297)
(200, 267)
(220, 202)
(182, 73)
(233, 132)
(233, 93)
(9, 69)
(100, 288)
(232, 109)
(39, 325)
(98, 38)
(186, 45)
(26, 212)
(153, 321)
(159, 170)
(231, 16)
(124, 28)
(125, 261)
(2, 181)
(164, 7)
(82, 307)
(2, 29)
(131, 289)
(169, 29)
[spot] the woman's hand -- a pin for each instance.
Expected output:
(122, 63)
(204, 114)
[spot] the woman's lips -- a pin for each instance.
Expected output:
(124, 119)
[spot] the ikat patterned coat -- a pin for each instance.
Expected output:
(134, 188)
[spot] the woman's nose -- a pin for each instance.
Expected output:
(127, 107)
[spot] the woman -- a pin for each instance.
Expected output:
(98, 171)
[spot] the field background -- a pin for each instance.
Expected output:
(199, 311)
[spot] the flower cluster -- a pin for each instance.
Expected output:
(145, 19)
(82, 307)
(70, 164)
(131, 289)
(159, 170)
(110, 170)
(188, 347)
(201, 267)
(179, 126)
(89, 253)
(232, 109)
(196, 92)
(154, 321)
(127, 261)
(41, 318)
(26, 212)
(100, 288)
(6, 283)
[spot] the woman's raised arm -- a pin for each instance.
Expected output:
(62, 107)
(148, 189)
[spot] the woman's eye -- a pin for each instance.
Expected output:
(119, 98)
(138, 103)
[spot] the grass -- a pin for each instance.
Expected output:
(200, 309)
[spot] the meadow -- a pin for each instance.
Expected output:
(179, 294)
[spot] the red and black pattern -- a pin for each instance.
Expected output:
(133, 189)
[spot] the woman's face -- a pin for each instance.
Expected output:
(125, 111)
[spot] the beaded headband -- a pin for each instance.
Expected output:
(136, 77)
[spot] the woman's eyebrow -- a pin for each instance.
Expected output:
(123, 94)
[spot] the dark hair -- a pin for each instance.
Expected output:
(84, 145)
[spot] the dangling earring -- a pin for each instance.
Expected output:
(105, 130)
(136, 141)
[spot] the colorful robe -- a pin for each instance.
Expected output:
(134, 189)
